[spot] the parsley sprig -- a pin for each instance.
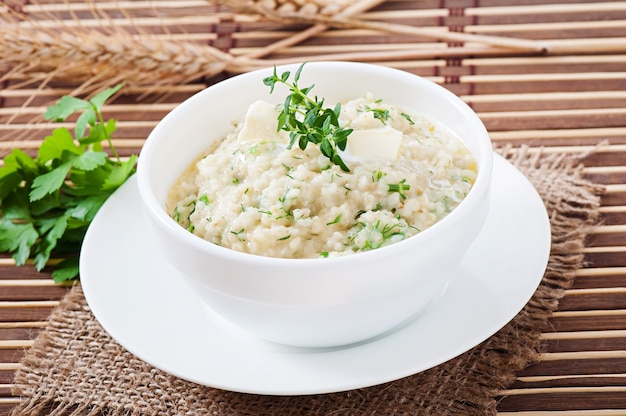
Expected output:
(306, 119)
(47, 202)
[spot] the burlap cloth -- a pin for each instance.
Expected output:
(75, 368)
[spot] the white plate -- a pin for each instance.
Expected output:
(142, 303)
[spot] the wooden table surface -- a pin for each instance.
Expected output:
(569, 100)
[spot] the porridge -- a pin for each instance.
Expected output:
(254, 193)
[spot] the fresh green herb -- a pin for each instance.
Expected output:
(47, 202)
(399, 188)
(204, 198)
(335, 221)
(306, 119)
(284, 238)
(324, 254)
(408, 118)
(379, 234)
(379, 114)
(238, 234)
(377, 175)
(378, 207)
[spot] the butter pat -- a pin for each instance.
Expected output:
(260, 123)
(381, 143)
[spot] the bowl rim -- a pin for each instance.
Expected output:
(159, 215)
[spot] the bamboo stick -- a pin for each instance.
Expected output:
(15, 344)
(552, 96)
(126, 143)
(615, 188)
(522, 135)
(57, 92)
(539, 379)
(36, 7)
(605, 170)
(28, 324)
(547, 9)
(547, 27)
(609, 333)
(30, 303)
(609, 229)
(148, 125)
(608, 210)
(134, 23)
(595, 313)
(582, 355)
(604, 271)
(562, 390)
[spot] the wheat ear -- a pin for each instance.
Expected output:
(82, 55)
(331, 13)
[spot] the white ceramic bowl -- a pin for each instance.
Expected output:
(313, 302)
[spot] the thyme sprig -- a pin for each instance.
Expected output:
(306, 119)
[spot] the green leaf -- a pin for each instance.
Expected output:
(17, 238)
(87, 182)
(49, 182)
(66, 270)
(9, 180)
(88, 117)
(99, 99)
(47, 203)
(16, 206)
(96, 134)
(52, 230)
(120, 174)
(86, 208)
(54, 145)
(65, 107)
(21, 160)
(90, 160)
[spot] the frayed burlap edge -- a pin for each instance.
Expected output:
(74, 368)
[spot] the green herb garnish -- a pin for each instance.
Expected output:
(335, 221)
(307, 121)
(399, 188)
(379, 114)
(408, 118)
(47, 202)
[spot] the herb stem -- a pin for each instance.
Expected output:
(107, 136)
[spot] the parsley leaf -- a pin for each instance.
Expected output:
(47, 202)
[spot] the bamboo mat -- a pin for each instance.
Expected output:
(567, 98)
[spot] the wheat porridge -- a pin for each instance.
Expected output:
(251, 193)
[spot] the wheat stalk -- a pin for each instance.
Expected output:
(82, 55)
(304, 9)
(337, 14)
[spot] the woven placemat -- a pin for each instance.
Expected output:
(75, 368)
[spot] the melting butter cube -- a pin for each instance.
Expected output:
(260, 122)
(381, 143)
